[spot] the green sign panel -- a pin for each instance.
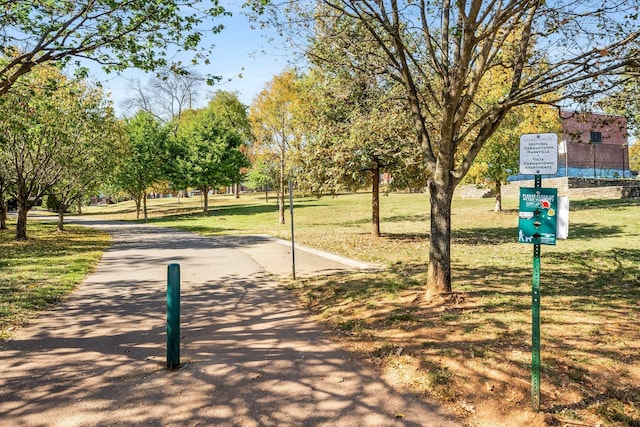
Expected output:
(538, 216)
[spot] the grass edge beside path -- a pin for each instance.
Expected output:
(40, 272)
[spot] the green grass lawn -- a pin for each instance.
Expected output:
(472, 352)
(42, 270)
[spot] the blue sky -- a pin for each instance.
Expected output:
(242, 48)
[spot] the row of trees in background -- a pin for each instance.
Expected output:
(330, 130)
(58, 135)
(202, 148)
(60, 140)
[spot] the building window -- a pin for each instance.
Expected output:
(596, 137)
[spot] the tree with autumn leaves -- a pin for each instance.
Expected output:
(355, 130)
(275, 128)
(500, 156)
(329, 130)
(359, 123)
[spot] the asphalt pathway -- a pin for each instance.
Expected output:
(251, 356)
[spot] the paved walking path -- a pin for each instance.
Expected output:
(251, 356)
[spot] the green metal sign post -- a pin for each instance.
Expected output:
(535, 331)
(537, 225)
(535, 321)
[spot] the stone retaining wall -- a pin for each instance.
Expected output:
(582, 188)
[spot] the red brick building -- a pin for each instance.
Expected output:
(594, 145)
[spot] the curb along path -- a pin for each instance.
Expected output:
(251, 356)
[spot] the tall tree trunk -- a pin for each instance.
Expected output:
(266, 196)
(144, 205)
(375, 201)
(138, 201)
(21, 225)
(205, 195)
(281, 206)
(80, 206)
(4, 207)
(237, 185)
(61, 209)
(439, 271)
(498, 191)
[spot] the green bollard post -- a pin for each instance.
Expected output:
(173, 316)
(535, 331)
(535, 322)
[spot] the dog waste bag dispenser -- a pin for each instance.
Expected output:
(538, 216)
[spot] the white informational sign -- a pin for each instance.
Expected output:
(562, 147)
(539, 154)
(562, 223)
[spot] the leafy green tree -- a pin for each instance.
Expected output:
(356, 127)
(142, 165)
(38, 134)
(443, 55)
(206, 153)
(356, 130)
(227, 106)
(263, 175)
(96, 139)
(117, 35)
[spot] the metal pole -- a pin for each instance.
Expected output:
(535, 321)
(566, 159)
(594, 160)
(293, 246)
(173, 316)
(623, 170)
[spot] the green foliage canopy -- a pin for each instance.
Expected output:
(116, 34)
(206, 152)
(48, 133)
(142, 165)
